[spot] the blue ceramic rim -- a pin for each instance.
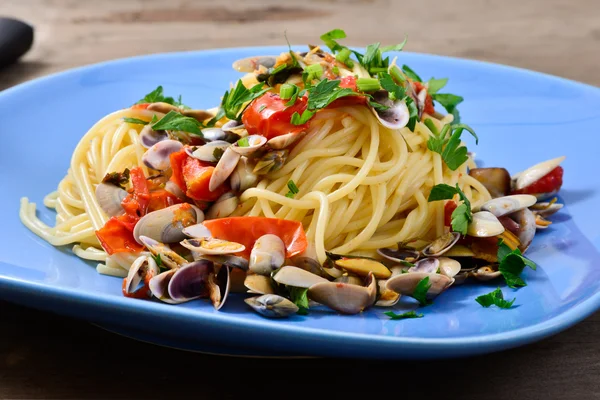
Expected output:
(496, 341)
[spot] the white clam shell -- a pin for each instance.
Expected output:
(109, 198)
(508, 204)
(255, 142)
(268, 254)
(294, 276)
(210, 150)
(484, 224)
(532, 174)
(343, 297)
(224, 168)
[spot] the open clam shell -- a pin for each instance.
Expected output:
(157, 157)
(211, 151)
(387, 298)
(249, 144)
(150, 137)
(399, 255)
(190, 281)
(243, 177)
(212, 246)
(167, 256)
(251, 64)
(441, 245)
(198, 231)
(143, 269)
(496, 180)
(397, 114)
(223, 207)
(218, 286)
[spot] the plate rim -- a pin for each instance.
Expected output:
(488, 342)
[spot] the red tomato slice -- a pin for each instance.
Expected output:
(268, 116)
(246, 230)
(142, 106)
(449, 208)
(550, 182)
(197, 176)
(115, 237)
(177, 160)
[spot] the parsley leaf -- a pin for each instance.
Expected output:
(462, 215)
(325, 93)
(243, 142)
(175, 121)
(512, 263)
(494, 298)
(298, 119)
(413, 113)
(299, 296)
(447, 100)
(409, 314)
(453, 154)
(434, 85)
(157, 96)
(411, 74)
(119, 179)
(395, 91)
(136, 121)
(232, 102)
(293, 189)
(330, 37)
(395, 47)
(420, 292)
(442, 191)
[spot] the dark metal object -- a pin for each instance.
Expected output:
(16, 38)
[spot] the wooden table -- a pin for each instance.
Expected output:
(47, 356)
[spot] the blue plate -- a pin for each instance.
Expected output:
(522, 118)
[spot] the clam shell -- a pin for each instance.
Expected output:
(259, 284)
(223, 207)
(508, 204)
(167, 256)
(534, 173)
(166, 225)
(294, 276)
(484, 224)
(396, 116)
(362, 267)
(224, 168)
(343, 297)
(405, 284)
(255, 142)
(109, 198)
(189, 281)
(251, 64)
(272, 306)
(157, 157)
(441, 245)
(211, 151)
(268, 254)
(242, 177)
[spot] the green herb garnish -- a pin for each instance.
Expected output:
(408, 314)
(452, 153)
(330, 38)
(135, 121)
(243, 142)
(420, 292)
(434, 85)
(462, 215)
(344, 57)
(293, 189)
(157, 96)
(494, 298)
(232, 103)
(368, 84)
(319, 97)
(117, 178)
(175, 121)
(512, 264)
(299, 296)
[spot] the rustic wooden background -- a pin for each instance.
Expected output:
(47, 356)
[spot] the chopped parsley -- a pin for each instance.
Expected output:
(159, 263)
(319, 97)
(494, 298)
(420, 292)
(462, 215)
(119, 179)
(396, 92)
(218, 153)
(330, 38)
(434, 85)
(175, 121)
(157, 96)
(293, 189)
(135, 121)
(512, 264)
(449, 102)
(408, 314)
(453, 154)
(232, 103)
(299, 296)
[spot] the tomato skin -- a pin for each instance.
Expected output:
(197, 176)
(449, 208)
(274, 118)
(177, 159)
(160, 199)
(142, 106)
(428, 107)
(246, 230)
(116, 237)
(550, 182)
(349, 82)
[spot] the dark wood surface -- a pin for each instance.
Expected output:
(47, 356)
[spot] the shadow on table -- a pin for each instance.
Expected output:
(46, 356)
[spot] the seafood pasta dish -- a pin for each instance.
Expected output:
(325, 179)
